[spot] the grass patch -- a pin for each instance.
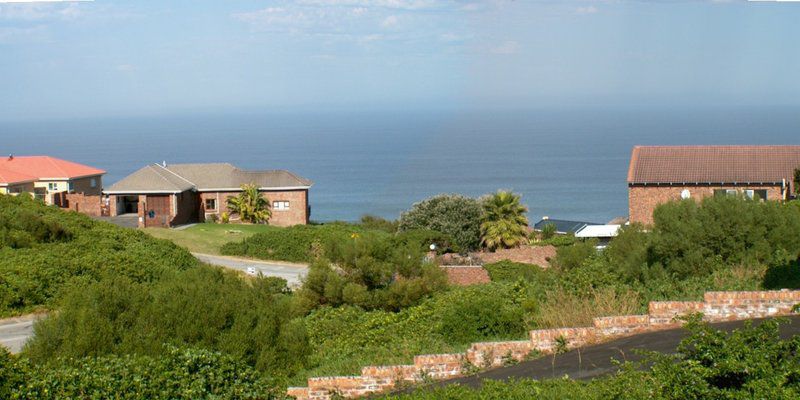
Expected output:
(209, 238)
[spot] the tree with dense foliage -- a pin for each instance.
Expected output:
(504, 224)
(454, 215)
(797, 181)
(372, 273)
(250, 205)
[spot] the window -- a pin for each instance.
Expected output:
(93, 182)
(211, 204)
(760, 194)
(69, 186)
(52, 186)
(280, 205)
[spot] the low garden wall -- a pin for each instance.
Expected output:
(717, 306)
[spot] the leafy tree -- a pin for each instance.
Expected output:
(504, 222)
(250, 205)
(797, 181)
(455, 215)
(374, 222)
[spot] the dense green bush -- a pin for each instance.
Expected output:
(347, 338)
(508, 271)
(575, 255)
(694, 238)
(377, 223)
(370, 272)
(455, 215)
(176, 374)
(299, 243)
(61, 247)
(204, 307)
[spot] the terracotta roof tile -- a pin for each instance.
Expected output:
(27, 168)
(713, 164)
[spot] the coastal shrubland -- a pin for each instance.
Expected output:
(369, 299)
(43, 250)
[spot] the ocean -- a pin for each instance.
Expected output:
(568, 163)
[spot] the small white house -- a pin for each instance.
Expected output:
(603, 233)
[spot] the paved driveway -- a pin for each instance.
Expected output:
(291, 272)
(15, 331)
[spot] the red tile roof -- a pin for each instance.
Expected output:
(713, 164)
(29, 168)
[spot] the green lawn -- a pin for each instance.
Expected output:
(208, 238)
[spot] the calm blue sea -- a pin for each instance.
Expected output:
(567, 163)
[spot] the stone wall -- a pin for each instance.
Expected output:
(466, 275)
(643, 200)
(717, 306)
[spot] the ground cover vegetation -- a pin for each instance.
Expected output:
(370, 298)
(750, 363)
(43, 250)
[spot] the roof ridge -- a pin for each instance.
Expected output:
(174, 173)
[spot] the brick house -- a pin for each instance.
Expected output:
(658, 174)
(49, 179)
(167, 195)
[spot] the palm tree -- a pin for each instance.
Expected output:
(250, 205)
(504, 222)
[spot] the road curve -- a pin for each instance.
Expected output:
(293, 273)
(594, 361)
(14, 332)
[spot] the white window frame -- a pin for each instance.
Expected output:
(206, 204)
(52, 186)
(93, 182)
(280, 205)
(749, 193)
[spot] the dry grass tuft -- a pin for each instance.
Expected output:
(564, 309)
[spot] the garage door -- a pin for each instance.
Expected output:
(157, 210)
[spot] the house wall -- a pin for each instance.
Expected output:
(184, 208)
(19, 188)
(297, 214)
(643, 200)
(81, 185)
(84, 185)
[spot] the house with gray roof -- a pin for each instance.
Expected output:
(167, 195)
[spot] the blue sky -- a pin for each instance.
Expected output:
(113, 58)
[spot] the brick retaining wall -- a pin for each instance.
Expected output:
(466, 275)
(717, 306)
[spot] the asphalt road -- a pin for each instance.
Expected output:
(594, 361)
(291, 272)
(15, 331)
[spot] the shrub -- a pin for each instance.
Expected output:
(548, 231)
(62, 247)
(481, 313)
(176, 374)
(202, 307)
(370, 272)
(295, 243)
(454, 215)
(570, 257)
(509, 271)
(372, 222)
